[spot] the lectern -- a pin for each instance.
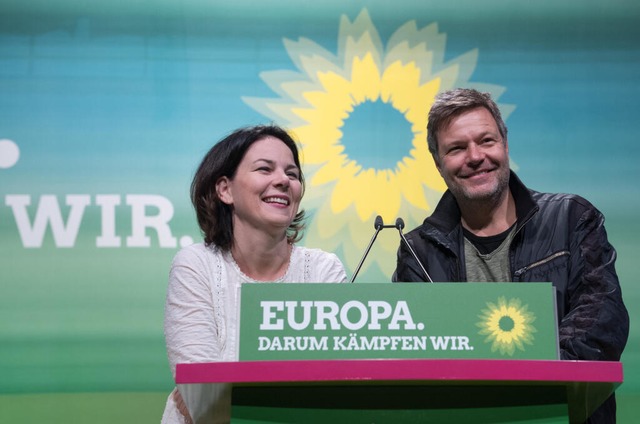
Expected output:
(392, 353)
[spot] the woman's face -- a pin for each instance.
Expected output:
(266, 189)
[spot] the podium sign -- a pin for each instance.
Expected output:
(396, 321)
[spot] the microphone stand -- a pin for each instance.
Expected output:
(378, 225)
(399, 226)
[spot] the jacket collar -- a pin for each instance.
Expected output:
(446, 217)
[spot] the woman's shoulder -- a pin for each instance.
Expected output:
(319, 265)
(316, 254)
(197, 252)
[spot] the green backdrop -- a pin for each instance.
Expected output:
(107, 107)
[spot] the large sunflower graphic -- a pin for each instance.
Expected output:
(507, 325)
(361, 116)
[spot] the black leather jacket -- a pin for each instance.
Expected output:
(560, 238)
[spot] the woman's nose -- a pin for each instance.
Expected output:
(281, 179)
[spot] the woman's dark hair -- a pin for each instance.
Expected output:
(222, 160)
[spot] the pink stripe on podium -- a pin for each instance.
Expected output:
(399, 370)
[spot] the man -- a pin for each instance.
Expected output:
(489, 227)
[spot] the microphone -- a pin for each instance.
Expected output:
(378, 225)
(399, 226)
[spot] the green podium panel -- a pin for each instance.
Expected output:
(397, 404)
(373, 321)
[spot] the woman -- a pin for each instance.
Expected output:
(246, 194)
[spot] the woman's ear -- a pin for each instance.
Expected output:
(223, 190)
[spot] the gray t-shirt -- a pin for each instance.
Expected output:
(490, 267)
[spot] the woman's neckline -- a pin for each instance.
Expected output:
(247, 278)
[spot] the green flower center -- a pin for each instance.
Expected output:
(506, 323)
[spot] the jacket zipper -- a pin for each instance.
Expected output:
(521, 271)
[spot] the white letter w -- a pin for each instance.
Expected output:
(48, 213)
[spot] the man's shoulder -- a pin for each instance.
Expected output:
(415, 232)
(553, 206)
(427, 230)
(545, 199)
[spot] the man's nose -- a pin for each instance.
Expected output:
(474, 153)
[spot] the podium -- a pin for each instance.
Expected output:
(410, 390)
(442, 353)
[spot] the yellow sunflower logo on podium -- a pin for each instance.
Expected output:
(360, 116)
(507, 325)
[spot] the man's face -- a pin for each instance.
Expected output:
(473, 159)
